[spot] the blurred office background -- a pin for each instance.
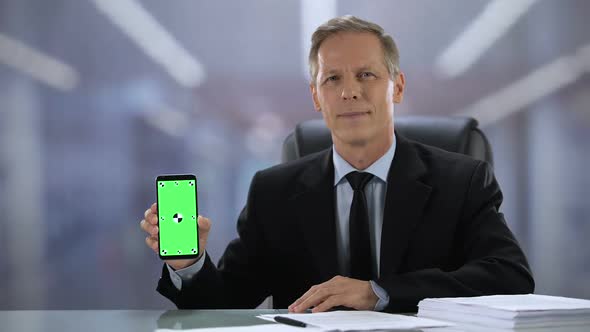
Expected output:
(99, 97)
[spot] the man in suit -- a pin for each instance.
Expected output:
(377, 222)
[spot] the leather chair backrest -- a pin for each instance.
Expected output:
(455, 134)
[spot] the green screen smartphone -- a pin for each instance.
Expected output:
(177, 214)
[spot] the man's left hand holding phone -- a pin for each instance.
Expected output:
(175, 230)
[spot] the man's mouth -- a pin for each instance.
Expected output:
(353, 115)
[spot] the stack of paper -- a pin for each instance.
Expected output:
(509, 311)
(359, 321)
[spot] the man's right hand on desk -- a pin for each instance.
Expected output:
(150, 225)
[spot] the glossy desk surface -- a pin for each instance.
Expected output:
(150, 320)
(126, 320)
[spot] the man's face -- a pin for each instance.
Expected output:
(353, 89)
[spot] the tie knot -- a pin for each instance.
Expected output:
(358, 180)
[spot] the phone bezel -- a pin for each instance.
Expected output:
(172, 177)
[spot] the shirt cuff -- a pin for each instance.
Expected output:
(186, 274)
(383, 300)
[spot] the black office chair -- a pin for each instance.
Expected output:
(455, 134)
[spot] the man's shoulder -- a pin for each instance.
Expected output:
(286, 173)
(443, 163)
(437, 155)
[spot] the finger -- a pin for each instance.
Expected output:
(204, 224)
(312, 290)
(152, 243)
(151, 214)
(329, 303)
(145, 226)
(303, 297)
(153, 218)
(315, 299)
(152, 230)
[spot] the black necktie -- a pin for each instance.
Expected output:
(360, 246)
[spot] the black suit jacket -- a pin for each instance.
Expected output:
(442, 235)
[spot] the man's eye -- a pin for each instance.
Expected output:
(366, 74)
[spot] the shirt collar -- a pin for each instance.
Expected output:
(379, 168)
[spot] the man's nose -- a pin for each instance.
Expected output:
(350, 90)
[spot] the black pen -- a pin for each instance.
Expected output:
(289, 321)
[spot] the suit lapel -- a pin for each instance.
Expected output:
(314, 202)
(405, 199)
(406, 196)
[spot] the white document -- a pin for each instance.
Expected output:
(510, 306)
(481, 328)
(509, 311)
(360, 321)
(253, 328)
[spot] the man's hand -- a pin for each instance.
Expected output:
(150, 225)
(338, 291)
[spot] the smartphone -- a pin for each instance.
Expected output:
(177, 214)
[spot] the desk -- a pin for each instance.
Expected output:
(147, 320)
(125, 320)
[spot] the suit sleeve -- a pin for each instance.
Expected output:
(240, 281)
(490, 259)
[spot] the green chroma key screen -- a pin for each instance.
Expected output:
(177, 213)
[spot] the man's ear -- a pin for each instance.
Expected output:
(314, 97)
(399, 88)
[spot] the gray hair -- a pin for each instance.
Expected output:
(349, 23)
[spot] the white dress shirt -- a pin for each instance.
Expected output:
(375, 192)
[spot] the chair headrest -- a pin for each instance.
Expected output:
(455, 134)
